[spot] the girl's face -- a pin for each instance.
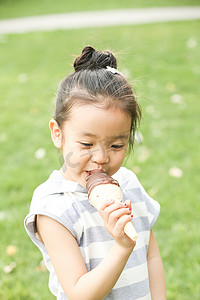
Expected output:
(93, 138)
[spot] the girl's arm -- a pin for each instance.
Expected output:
(156, 271)
(68, 262)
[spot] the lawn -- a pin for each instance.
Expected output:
(161, 60)
(23, 8)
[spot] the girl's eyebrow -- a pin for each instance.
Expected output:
(87, 134)
(121, 137)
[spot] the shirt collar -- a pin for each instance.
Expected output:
(64, 185)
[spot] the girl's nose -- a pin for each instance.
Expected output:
(100, 156)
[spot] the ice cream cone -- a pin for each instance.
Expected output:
(101, 187)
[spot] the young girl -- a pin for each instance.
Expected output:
(86, 251)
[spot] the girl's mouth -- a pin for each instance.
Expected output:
(88, 173)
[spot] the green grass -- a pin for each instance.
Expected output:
(161, 60)
(21, 8)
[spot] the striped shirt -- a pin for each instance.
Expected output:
(67, 202)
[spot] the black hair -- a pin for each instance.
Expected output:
(94, 83)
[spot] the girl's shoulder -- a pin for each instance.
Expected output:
(54, 199)
(56, 183)
(53, 192)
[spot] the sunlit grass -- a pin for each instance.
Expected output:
(21, 8)
(162, 62)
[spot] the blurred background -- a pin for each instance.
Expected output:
(162, 61)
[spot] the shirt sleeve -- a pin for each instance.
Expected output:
(59, 207)
(153, 207)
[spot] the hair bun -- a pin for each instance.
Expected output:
(92, 59)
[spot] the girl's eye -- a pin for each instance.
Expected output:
(86, 144)
(117, 146)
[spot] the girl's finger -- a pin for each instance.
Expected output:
(121, 222)
(103, 210)
(114, 216)
(127, 203)
(107, 203)
(116, 205)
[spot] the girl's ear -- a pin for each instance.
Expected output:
(56, 133)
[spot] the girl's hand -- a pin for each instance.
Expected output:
(115, 216)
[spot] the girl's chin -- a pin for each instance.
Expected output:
(81, 180)
(82, 183)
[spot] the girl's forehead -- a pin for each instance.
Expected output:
(90, 121)
(90, 110)
(121, 136)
